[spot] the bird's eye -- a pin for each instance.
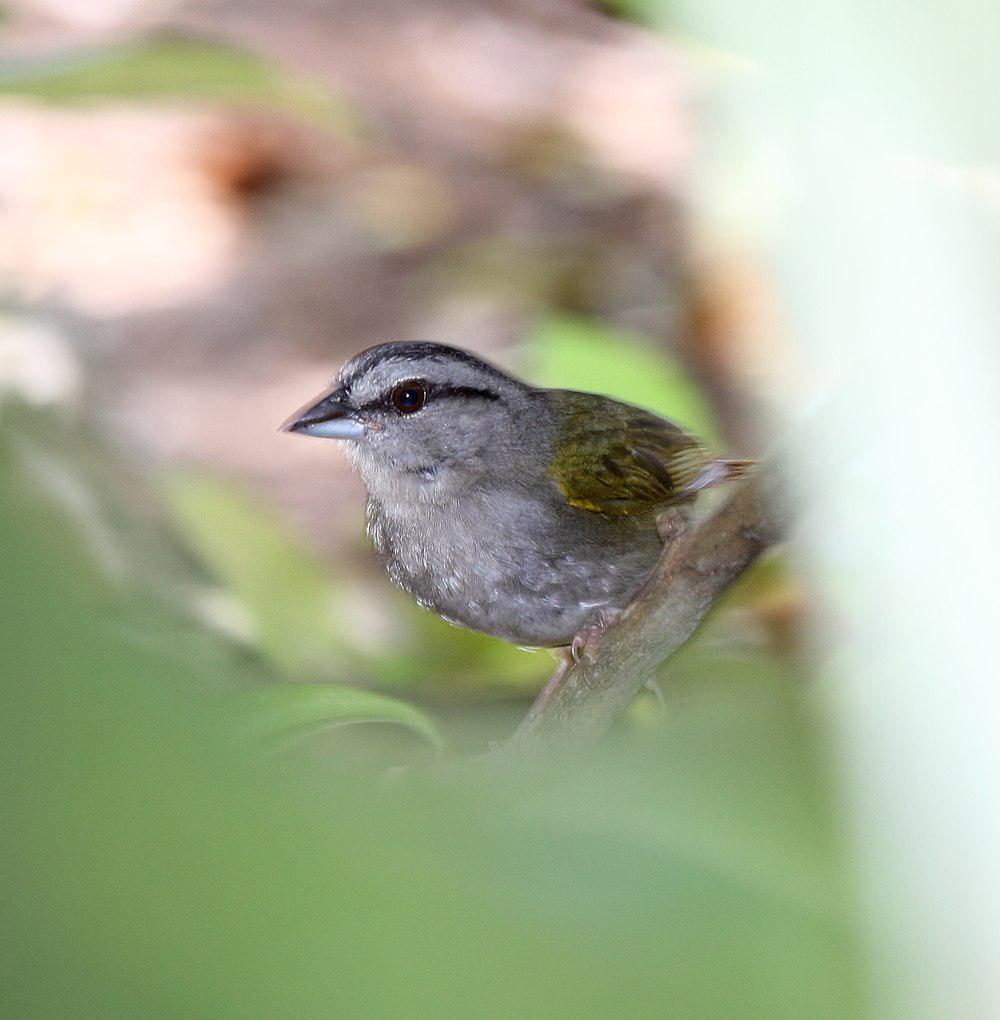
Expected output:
(408, 397)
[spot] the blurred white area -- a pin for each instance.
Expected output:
(629, 105)
(95, 14)
(891, 278)
(37, 363)
(111, 209)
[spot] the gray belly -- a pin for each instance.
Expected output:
(529, 573)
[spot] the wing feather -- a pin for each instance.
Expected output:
(613, 458)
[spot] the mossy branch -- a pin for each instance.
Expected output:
(698, 564)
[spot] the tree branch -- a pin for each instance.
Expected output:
(698, 564)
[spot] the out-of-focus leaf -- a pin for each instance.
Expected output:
(99, 499)
(286, 595)
(175, 69)
(125, 541)
(577, 353)
(288, 712)
(644, 12)
(157, 866)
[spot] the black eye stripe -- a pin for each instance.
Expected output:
(434, 391)
(472, 392)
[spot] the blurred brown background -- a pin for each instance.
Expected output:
(205, 255)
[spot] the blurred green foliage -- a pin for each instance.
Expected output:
(578, 353)
(193, 830)
(175, 69)
(643, 12)
(258, 562)
(286, 713)
(157, 863)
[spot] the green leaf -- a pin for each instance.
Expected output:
(287, 596)
(578, 353)
(643, 12)
(289, 712)
(176, 69)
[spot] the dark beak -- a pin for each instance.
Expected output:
(330, 417)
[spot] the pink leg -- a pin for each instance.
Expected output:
(568, 657)
(564, 660)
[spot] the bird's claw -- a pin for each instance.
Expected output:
(583, 646)
(580, 641)
(586, 640)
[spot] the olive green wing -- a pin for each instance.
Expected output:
(618, 459)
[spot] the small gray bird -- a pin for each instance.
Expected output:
(529, 514)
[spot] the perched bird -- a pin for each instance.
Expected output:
(525, 513)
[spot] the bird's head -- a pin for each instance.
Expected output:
(422, 418)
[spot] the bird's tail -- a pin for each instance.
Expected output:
(737, 468)
(719, 471)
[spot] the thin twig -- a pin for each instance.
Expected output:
(698, 564)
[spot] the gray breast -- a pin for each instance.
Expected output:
(528, 572)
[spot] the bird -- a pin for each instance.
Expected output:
(526, 513)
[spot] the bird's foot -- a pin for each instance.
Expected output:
(670, 523)
(581, 650)
(586, 640)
